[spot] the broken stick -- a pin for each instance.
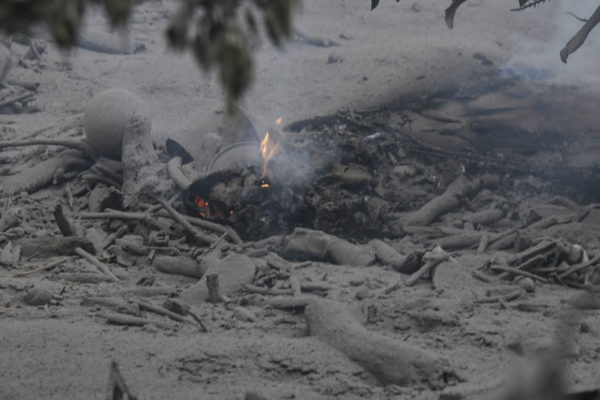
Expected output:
(117, 388)
(198, 235)
(162, 311)
(46, 267)
(434, 257)
(94, 261)
(122, 319)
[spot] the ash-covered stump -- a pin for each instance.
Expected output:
(255, 207)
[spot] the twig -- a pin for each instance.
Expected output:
(183, 309)
(115, 304)
(219, 240)
(516, 271)
(111, 238)
(480, 276)
(72, 144)
(287, 302)
(15, 98)
(579, 267)
(576, 17)
(267, 291)
(122, 319)
(72, 122)
(94, 261)
(302, 264)
(200, 236)
(46, 267)
(112, 214)
(214, 227)
(115, 215)
(162, 311)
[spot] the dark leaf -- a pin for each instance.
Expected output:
(374, 3)
(118, 11)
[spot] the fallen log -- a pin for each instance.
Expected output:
(307, 244)
(458, 190)
(122, 319)
(180, 265)
(386, 254)
(390, 361)
(460, 240)
(51, 246)
(486, 217)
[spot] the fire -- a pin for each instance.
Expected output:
(268, 148)
(200, 202)
(279, 120)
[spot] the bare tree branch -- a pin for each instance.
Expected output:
(577, 40)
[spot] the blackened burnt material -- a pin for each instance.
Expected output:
(254, 207)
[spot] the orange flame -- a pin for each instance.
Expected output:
(279, 120)
(268, 148)
(200, 202)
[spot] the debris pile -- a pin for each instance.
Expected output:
(344, 198)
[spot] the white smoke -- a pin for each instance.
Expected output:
(539, 60)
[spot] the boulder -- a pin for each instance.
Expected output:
(106, 118)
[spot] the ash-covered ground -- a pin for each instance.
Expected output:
(429, 226)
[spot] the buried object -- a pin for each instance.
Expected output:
(106, 118)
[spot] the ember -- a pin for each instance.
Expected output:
(239, 198)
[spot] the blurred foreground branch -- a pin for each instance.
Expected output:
(220, 33)
(576, 41)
